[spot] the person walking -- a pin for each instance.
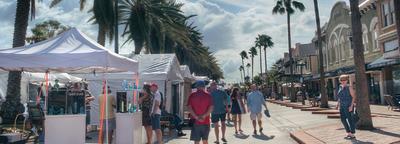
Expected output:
(346, 99)
(107, 106)
(220, 100)
(88, 99)
(156, 112)
(237, 105)
(254, 101)
(200, 105)
(146, 102)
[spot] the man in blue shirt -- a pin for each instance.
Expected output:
(255, 100)
(219, 112)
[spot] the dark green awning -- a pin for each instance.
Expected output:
(382, 62)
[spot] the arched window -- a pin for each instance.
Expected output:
(342, 47)
(375, 34)
(365, 39)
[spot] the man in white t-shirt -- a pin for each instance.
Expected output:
(156, 112)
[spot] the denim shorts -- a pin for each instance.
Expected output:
(218, 117)
(199, 132)
(155, 121)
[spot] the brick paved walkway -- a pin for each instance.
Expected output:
(386, 123)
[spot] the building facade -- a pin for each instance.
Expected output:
(338, 51)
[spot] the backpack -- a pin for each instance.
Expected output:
(162, 101)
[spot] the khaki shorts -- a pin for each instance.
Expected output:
(255, 116)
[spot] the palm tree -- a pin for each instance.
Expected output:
(324, 96)
(362, 96)
(248, 67)
(264, 41)
(103, 15)
(243, 55)
(259, 46)
(12, 106)
(252, 52)
(150, 23)
(288, 7)
(241, 68)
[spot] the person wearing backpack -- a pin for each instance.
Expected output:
(156, 112)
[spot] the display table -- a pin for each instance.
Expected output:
(65, 129)
(129, 128)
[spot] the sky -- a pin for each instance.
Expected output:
(228, 26)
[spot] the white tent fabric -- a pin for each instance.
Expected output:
(158, 67)
(27, 77)
(185, 72)
(71, 51)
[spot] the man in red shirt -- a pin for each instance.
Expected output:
(200, 106)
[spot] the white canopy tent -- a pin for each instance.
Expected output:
(162, 69)
(70, 52)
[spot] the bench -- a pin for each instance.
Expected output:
(313, 101)
(165, 122)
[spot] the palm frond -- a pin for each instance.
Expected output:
(298, 5)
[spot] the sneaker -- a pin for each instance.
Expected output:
(216, 142)
(236, 132)
(88, 138)
(240, 130)
(181, 134)
(255, 132)
(224, 140)
(261, 130)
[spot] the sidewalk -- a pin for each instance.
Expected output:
(386, 123)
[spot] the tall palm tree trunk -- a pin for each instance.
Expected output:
(252, 67)
(291, 93)
(265, 60)
(244, 74)
(101, 36)
(261, 71)
(13, 106)
(362, 96)
(324, 96)
(397, 15)
(241, 76)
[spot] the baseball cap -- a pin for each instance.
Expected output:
(200, 83)
(154, 85)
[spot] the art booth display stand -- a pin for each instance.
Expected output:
(70, 52)
(65, 119)
(128, 118)
(62, 129)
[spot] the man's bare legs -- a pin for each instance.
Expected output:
(159, 136)
(216, 130)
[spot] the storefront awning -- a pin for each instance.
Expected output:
(382, 62)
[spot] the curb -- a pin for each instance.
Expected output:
(302, 137)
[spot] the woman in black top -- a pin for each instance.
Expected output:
(237, 109)
(146, 102)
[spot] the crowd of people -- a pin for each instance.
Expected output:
(218, 103)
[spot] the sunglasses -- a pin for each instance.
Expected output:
(343, 80)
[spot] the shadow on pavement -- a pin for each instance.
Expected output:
(263, 137)
(242, 136)
(380, 131)
(355, 141)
